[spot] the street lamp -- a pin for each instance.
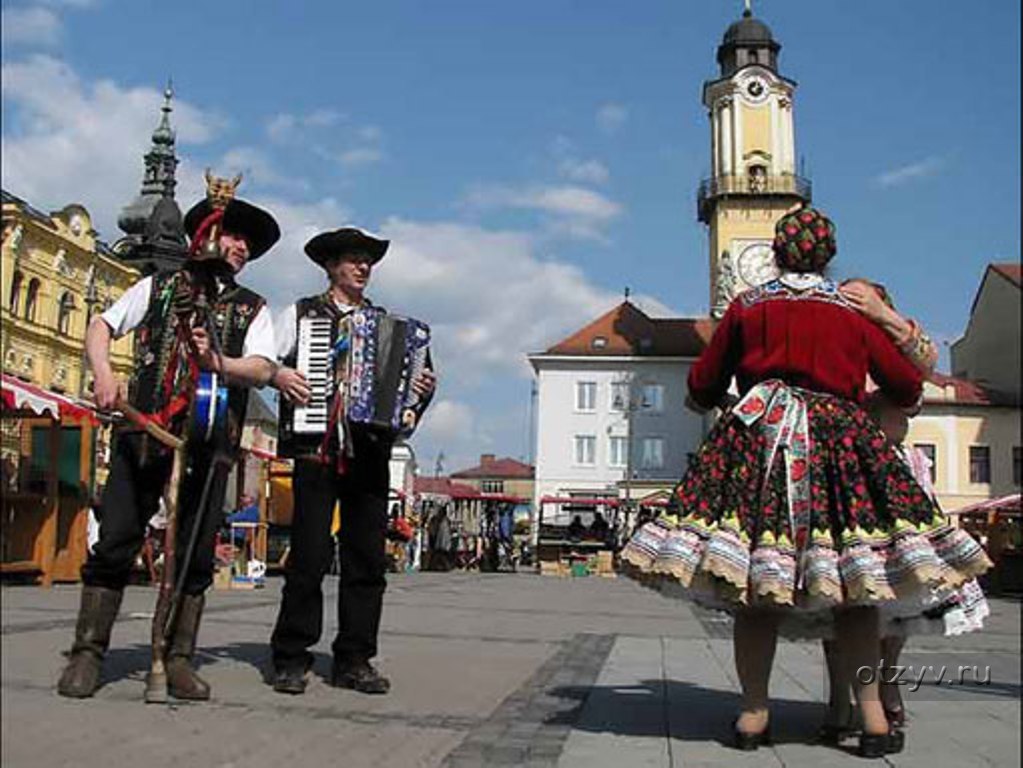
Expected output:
(628, 404)
(91, 300)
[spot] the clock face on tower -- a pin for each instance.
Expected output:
(754, 88)
(756, 264)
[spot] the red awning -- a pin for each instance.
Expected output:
(1003, 504)
(601, 502)
(22, 396)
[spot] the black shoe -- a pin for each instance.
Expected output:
(749, 742)
(359, 676)
(290, 681)
(880, 744)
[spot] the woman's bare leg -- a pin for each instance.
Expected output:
(754, 641)
(860, 644)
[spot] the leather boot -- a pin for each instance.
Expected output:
(182, 682)
(96, 616)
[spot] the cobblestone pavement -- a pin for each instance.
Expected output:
(487, 670)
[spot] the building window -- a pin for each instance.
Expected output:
(653, 452)
(67, 305)
(586, 395)
(15, 299)
(653, 397)
(931, 452)
(30, 300)
(1017, 465)
(585, 449)
(980, 464)
(618, 448)
(619, 395)
(492, 486)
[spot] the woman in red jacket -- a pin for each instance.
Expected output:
(796, 503)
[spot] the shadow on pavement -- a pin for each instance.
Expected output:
(696, 713)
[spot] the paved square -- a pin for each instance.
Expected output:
(487, 670)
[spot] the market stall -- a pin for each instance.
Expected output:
(47, 442)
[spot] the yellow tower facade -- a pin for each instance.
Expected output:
(753, 178)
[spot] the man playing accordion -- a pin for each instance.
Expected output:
(340, 458)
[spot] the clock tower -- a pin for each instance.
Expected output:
(753, 177)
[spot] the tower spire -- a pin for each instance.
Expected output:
(158, 179)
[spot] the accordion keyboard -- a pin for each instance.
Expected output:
(315, 364)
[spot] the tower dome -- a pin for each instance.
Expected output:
(745, 42)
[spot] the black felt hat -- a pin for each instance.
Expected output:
(346, 240)
(241, 218)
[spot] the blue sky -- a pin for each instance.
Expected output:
(529, 159)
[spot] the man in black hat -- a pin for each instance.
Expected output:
(360, 485)
(173, 315)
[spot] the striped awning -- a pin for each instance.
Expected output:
(20, 395)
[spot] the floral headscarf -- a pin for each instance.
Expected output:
(804, 241)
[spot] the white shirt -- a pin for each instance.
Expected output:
(128, 311)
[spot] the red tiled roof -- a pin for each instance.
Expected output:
(967, 392)
(443, 486)
(500, 469)
(627, 330)
(1011, 271)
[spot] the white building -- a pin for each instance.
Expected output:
(611, 398)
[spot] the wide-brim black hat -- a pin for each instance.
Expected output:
(343, 241)
(257, 226)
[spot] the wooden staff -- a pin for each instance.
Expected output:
(156, 680)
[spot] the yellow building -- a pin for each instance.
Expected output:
(56, 276)
(753, 160)
(972, 437)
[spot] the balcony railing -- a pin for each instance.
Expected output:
(752, 185)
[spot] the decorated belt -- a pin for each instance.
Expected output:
(781, 415)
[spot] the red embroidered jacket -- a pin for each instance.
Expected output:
(808, 338)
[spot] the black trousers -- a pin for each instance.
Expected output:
(362, 494)
(132, 496)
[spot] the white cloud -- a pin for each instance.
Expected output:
(611, 117)
(446, 422)
(257, 167)
(487, 294)
(585, 171)
(285, 126)
(285, 273)
(359, 156)
(911, 172)
(33, 26)
(573, 211)
(91, 135)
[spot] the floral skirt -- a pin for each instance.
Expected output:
(796, 500)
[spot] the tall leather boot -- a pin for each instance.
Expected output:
(182, 681)
(96, 615)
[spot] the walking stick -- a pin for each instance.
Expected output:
(156, 680)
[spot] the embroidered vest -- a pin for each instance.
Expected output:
(233, 311)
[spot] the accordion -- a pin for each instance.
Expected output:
(369, 358)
